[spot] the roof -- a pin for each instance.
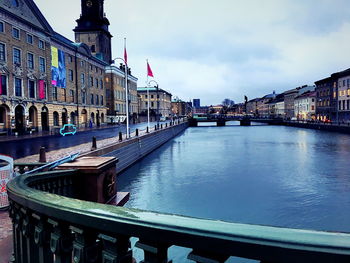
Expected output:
(151, 89)
(306, 94)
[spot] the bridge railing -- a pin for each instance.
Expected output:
(49, 225)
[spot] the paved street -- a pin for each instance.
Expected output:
(21, 148)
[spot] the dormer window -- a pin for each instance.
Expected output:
(15, 3)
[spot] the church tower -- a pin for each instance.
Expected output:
(92, 29)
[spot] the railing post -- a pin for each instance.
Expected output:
(161, 126)
(155, 127)
(115, 250)
(85, 247)
(42, 155)
(94, 144)
(120, 136)
(42, 240)
(28, 236)
(154, 252)
(137, 132)
(61, 242)
(147, 130)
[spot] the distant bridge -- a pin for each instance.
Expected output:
(222, 119)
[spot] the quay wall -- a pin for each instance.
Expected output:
(132, 150)
(320, 126)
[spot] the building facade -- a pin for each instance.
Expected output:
(159, 99)
(343, 95)
(116, 94)
(326, 99)
(46, 79)
(305, 106)
(180, 108)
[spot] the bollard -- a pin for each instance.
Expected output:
(120, 136)
(42, 155)
(137, 132)
(155, 127)
(147, 131)
(94, 144)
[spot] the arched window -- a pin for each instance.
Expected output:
(55, 119)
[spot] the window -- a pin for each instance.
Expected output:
(29, 39)
(101, 84)
(42, 64)
(101, 100)
(343, 104)
(92, 99)
(82, 63)
(82, 78)
(91, 82)
(152, 104)
(2, 52)
(90, 67)
(93, 48)
(97, 100)
(2, 27)
(70, 75)
(339, 105)
(31, 89)
(17, 56)
(54, 92)
(55, 119)
(96, 83)
(30, 60)
(347, 104)
(83, 97)
(71, 95)
(18, 87)
(151, 96)
(41, 44)
(70, 59)
(3, 86)
(15, 33)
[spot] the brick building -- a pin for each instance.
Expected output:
(116, 103)
(159, 99)
(46, 80)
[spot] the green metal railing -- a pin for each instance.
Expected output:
(51, 226)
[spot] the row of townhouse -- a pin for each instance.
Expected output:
(328, 100)
(47, 80)
(298, 103)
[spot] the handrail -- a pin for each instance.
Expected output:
(208, 238)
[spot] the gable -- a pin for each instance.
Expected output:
(28, 11)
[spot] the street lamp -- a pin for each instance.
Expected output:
(126, 96)
(157, 87)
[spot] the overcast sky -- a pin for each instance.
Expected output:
(224, 48)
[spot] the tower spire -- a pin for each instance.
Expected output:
(92, 29)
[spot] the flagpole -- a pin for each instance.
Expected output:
(148, 100)
(126, 93)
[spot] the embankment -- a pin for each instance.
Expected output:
(132, 150)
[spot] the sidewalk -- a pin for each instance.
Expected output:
(9, 138)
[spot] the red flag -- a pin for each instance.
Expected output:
(125, 56)
(149, 71)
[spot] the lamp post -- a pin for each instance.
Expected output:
(126, 96)
(157, 99)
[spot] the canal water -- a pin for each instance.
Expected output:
(266, 175)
